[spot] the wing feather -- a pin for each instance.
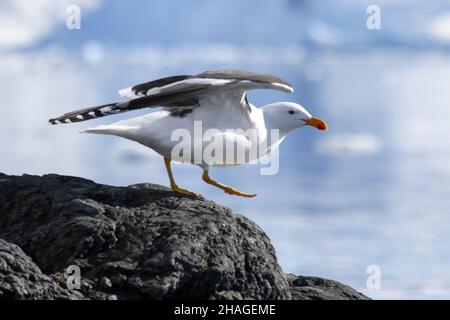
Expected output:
(184, 91)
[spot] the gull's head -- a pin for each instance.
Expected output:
(288, 116)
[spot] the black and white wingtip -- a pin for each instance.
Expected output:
(87, 114)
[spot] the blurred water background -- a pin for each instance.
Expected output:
(373, 190)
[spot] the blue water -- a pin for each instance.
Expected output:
(373, 190)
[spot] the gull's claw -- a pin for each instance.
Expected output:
(186, 192)
(227, 189)
(173, 184)
(236, 192)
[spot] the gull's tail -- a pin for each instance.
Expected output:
(122, 129)
(89, 113)
(114, 130)
(105, 129)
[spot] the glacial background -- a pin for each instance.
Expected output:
(373, 190)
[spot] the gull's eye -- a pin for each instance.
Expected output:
(291, 111)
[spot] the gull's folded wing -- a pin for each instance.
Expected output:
(181, 91)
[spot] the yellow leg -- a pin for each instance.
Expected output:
(227, 189)
(173, 184)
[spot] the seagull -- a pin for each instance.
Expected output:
(215, 100)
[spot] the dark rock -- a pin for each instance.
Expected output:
(313, 288)
(20, 278)
(136, 242)
(142, 241)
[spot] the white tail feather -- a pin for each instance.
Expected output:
(116, 130)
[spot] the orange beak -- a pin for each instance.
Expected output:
(316, 122)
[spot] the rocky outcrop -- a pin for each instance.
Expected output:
(314, 288)
(136, 242)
